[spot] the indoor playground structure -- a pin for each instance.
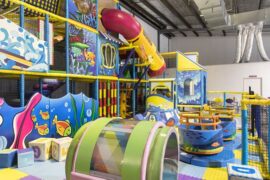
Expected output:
(100, 104)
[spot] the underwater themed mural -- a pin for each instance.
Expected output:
(44, 117)
(82, 51)
(21, 50)
(108, 54)
(191, 87)
(83, 11)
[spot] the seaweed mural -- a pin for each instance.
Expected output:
(44, 117)
(21, 50)
(82, 51)
(83, 11)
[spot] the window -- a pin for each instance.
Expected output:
(188, 87)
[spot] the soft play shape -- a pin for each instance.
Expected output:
(42, 148)
(44, 117)
(60, 148)
(118, 21)
(120, 149)
(237, 171)
(25, 157)
(8, 158)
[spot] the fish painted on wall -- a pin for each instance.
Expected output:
(39, 118)
(42, 129)
(44, 115)
(82, 51)
(63, 127)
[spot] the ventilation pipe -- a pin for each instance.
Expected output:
(258, 35)
(249, 42)
(239, 44)
(244, 41)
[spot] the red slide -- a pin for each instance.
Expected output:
(118, 21)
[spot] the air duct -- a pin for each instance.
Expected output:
(239, 44)
(245, 40)
(258, 35)
(249, 42)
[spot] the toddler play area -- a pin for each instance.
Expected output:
(86, 93)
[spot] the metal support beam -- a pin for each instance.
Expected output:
(145, 16)
(224, 32)
(177, 14)
(140, 12)
(190, 6)
(161, 15)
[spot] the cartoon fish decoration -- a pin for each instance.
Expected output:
(63, 127)
(44, 115)
(90, 56)
(170, 122)
(42, 129)
(34, 118)
(215, 144)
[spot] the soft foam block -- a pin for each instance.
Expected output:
(60, 148)
(42, 148)
(25, 157)
(8, 158)
(243, 172)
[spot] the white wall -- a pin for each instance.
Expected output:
(215, 50)
(230, 77)
(164, 44)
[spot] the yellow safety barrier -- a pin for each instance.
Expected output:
(73, 22)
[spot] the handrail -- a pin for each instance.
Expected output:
(73, 22)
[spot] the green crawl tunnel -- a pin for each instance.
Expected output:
(111, 148)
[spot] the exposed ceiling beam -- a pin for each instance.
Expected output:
(260, 4)
(191, 7)
(145, 16)
(177, 14)
(161, 15)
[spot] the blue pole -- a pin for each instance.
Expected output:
(47, 37)
(224, 99)
(244, 136)
(22, 78)
(268, 145)
(67, 48)
(40, 86)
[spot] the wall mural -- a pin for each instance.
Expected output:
(83, 11)
(44, 117)
(108, 52)
(195, 94)
(82, 51)
(20, 49)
